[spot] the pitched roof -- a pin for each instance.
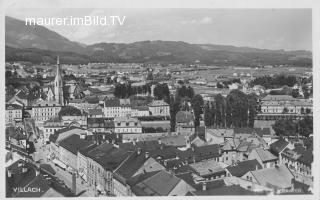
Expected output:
(207, 167)
(278, 177)
(265, 155)
(73, 143)
(189, 178)
(13, 107)
(133, 163)
(242, 168)
(160, 184)
(38, 182)
(306, 157)
(158, 103)
(174, 140)
(108, 155)
(278, 146)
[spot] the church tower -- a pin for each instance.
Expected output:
(58, 85)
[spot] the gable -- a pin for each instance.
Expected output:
(150, 165)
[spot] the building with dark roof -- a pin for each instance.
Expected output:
(243, 167)
(264, 157)
(298, 160)
(277, 147)
(102, 161)
(161, 184)
(137, 164)
(69, 147)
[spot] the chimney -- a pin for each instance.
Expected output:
(159, 141)
(9, 173)
(134, 142)
(19, 164)
(139, 151)
(147, 155)
(204, 186)
(257, 167)
(165, 163)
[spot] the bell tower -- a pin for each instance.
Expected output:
(58, 85)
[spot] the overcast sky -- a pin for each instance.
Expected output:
(289, 29)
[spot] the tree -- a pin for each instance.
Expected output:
(295, 93)
(220, 106)
(305, 91)
(69, 111)
(174, 108)
(305, 126)
(252, 109)
(285, 110)
(207, 115)
(197, 105)
(285, 128)
(237, 109)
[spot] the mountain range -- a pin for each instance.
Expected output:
(38, 44)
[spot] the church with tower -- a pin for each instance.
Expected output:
(55, 92)
(58, 85)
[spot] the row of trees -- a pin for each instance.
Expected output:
(161, 91)
(236, 110)
(270, 82)
(294, 128)
(126, 90)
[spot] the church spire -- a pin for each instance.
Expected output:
(58, 84)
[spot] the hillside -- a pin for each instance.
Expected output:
(38, 44)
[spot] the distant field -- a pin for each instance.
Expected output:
(210, 75)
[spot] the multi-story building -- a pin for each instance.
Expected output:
(102, 161)
(283, 106)
(100, 125)
(159, 108)
(51, 126)
(13, 113)
(69, 147)
(264, 157)
(117, 107)
(45, 110)
(127, 125)
(298, 160)
(140, 111)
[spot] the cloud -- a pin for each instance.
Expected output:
(204, 20)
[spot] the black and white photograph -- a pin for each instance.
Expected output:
(104, 101)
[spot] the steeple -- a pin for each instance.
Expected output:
(58, 85)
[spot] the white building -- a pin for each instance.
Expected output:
(13, 113)
(117, 107)
(45, 110)
(159, 108)
(127, 125)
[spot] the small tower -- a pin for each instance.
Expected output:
(58, 85)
